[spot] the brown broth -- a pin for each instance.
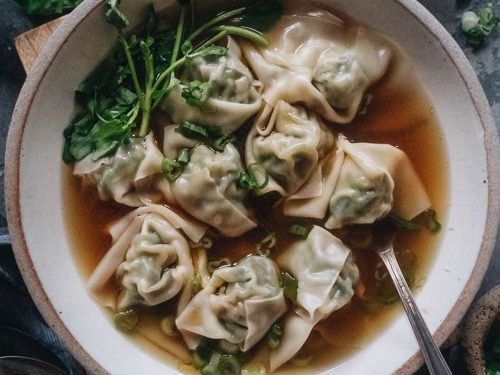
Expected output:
(399, 114)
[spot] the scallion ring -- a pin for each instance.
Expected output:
(299, 231)
(171, 169)
(183, 156)
(229, 365)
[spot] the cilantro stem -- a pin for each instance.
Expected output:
(214, 21)
(244, 32)
(131, 66)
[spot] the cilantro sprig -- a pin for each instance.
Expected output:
(118, 99)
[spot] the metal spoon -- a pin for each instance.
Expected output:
(432, 355)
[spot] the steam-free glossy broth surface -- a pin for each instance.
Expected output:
(399, 114)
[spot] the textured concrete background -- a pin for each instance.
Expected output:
(486, 62)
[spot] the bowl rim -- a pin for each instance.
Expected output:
(44, 62)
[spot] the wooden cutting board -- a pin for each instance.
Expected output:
(30, 44)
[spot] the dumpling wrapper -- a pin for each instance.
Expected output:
(359, 184)
(234, 94)
(207, 190)
(288, 148)
(314, 58)
(152, 257)
(125, 176)
(244, 312)
(326, 275)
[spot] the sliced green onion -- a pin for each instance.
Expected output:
(215, 264)
(264, 247)
(253, 369)
(197, 361)
(171, 169)
(193, 131)
(254, 178)
(229, 365)
(401, 223)
(299, 230)
(168, 327)
(210, 369)
(220, 143)
(196, 284)
(183, 156)
(302, 359)
(126, 321)
(289, 285)
(273, 337)
(431, 220)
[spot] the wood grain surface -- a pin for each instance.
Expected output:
(30, 44)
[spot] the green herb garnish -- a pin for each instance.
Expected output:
(254, 178)
(265, 246)
(118, 98)
(408, 225)
(273, 337)
(171, 169)
(431, 220)
(299, 231)
(477, 26)
(126, 321)
(290, 286)
(196, 93)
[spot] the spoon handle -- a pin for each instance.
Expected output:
(432, 355)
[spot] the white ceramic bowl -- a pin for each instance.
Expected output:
(36, 205)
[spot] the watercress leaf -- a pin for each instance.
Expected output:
(114, 15)
(186, 47)
(158, 94)
(211, 50)
(125, 96)
(196, 93)
(83, 125)
(104, 148)
(261, 14)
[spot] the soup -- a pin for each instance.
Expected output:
(268, 222)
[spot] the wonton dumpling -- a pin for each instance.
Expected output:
(234, 97)
(207, 190)
(120, 177)
(151, 258)
(326, 275)
(359, 184)
(289, 148)
(239, 304)
(316, 59)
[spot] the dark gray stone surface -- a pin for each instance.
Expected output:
(486, 62)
